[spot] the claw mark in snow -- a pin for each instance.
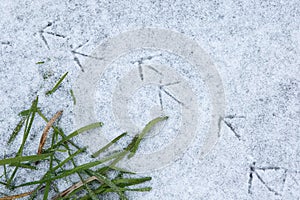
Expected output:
(74, 53)
(254, 171)
(42, 33)
(232, 129)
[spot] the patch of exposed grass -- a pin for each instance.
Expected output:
(61, 158)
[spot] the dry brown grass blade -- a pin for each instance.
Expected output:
(74, 187)
(16, 196)
(46, 130)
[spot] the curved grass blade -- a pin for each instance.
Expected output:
(46, 130)
(77, 132)
(121, 155)
(146, 129)
(96, 154)
(57, 130)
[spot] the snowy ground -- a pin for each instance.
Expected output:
(254, 46)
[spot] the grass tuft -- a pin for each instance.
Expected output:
(61, 158)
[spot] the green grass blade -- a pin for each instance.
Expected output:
(3, 183)
(73, 97)
(91, 193)
(105, 180)
(106, 168)
(116, 160)
(62, 163)
(42, 115)
(150, 124)
(88, 189)
(96, 154)
(146, 129)
(121, 155)
(16, 160)
(63, 135)
(16, 131)
(123, 182)
(47, 190)
(28, 126)
(24, 113)
(58, 150)
(144, 189)
(77, 132)
(24, 165)
(57, 84)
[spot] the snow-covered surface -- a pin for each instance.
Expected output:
(254, 45)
